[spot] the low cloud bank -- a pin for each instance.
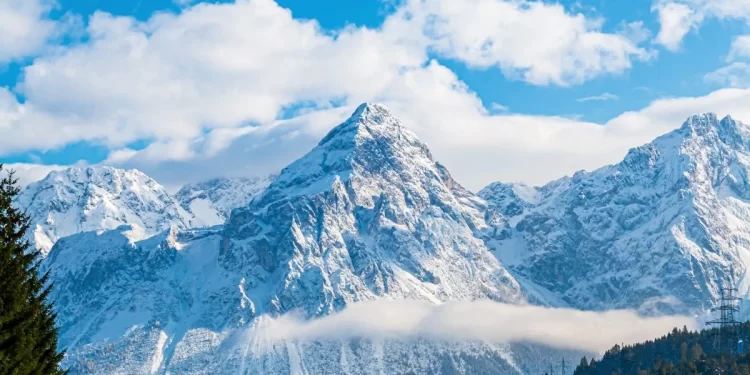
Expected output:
(28, 173)
(468, 321)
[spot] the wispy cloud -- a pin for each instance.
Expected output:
(468, 321)
(736, 74)
(598, 98)
(499, 108)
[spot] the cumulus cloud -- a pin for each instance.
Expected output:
(211, 66)
(536, 42)
(208, 85)
(486, 321)
(206, 88)
(676, 21)
(24, 27)
(678, 17)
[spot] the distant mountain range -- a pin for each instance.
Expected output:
(657, 231)
(149, 283)
(78, 200)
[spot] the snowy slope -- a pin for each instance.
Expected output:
(125, 306)
(656, 231)
(165, 305)
(366, 214)
(211, 202)
(85, 199)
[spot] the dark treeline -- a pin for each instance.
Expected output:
(680, 352)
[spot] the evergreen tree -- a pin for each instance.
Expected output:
(28, 336)
(683, 353)
(697, 352)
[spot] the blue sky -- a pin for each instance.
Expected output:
(661, 70)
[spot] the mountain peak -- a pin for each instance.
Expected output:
(699, 134)
(373, 112)
(92, 198)
(709, 123)
(89, 172)
(700, 124)
(367, 118)
(371, 142)
(363, 214)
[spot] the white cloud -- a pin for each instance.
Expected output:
(679, 17)
(598, 98)
(736, 74)
(740, 48)
(24, 28)
(676, 21)
(477, 146)
(246, 151)
(211, 66)
(28, 173)
(207, 85)
(209, 82)
(485, 321)
(666, 114)
(723, 9)
(536, 42)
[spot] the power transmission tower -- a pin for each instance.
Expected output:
(728, 325)
(563, 367)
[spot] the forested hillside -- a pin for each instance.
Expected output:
(680, 352)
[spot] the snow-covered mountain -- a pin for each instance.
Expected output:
(211, 202)
(369, 214)
(366, 214)
(96, 198)
(658, 231)
(77, 200)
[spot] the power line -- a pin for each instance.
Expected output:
(728, 325)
